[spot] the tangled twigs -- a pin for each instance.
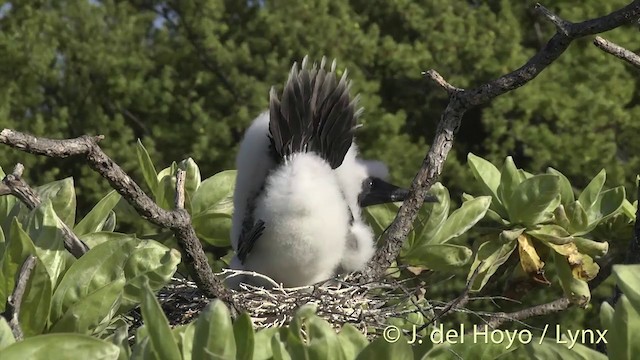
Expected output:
(14, 184)
(178, 220)
(15, 300)
(461, 100)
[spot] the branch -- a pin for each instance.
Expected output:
(498, 319)
(617, 51)
(178, 220)
(15, 300)
(461, 100)
(181, 177)
(14, 184)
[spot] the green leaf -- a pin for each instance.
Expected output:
(494, 254)
(379, 217)
(609, 202)
(439, 256)
(623, 335)
(475, 346)
(63, 198)
(61, 347)
(244, 337)
(606, 315)
(575, 289)
(279, 351)
(44, 229)
(628, 279)
(100, 266)
(91, 310)
(383, 350)
(6, 335)
(110, 222)
(148, 169)
(509, 180)
(578, 220)
(149, 262)
(595, 249)
(18, 247)
(566, 190)
(324, 343)
(553, 349)
(531, 199)
(462, 219)
(214, 228)
(165, 193)
(352, 341)
(36, 302)
(98, 216)
(551, 233)
(432, 215)
(489, 177)
(213, 338)
(160, 336)
(120, 338)
(590, 194)
(215, 194)
(262, 343)
(183, 334)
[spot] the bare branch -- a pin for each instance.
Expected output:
(461, 101)
(617, 51)
(498, 319)
(14, 184)
(181, 177)
(178, 220)
(14, 302)
(438, 79)
(561, 24)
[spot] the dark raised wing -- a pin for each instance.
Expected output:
(316, 114)
(248, 239)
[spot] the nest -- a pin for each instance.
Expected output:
(367, 306)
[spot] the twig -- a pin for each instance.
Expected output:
(497, 319)
(181, 177)
(461, 100)
(617, 51)
(14, 184)
(178, 220)
(14, 302)
(458, 302)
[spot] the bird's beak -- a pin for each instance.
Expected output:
(382, 192)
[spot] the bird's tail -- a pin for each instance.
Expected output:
(316, 114)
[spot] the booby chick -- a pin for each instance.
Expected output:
(295, 219)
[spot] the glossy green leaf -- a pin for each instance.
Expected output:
(110, 222)
(18, 247)
(509, 180)
(6, 335)
(628, 279)
(439, 256)
(183, 334)
(383, 350)
(213, 337)
(590, 247)
(489, 177)
(432, 215)
(551, 233)
(44, 229)
(575, 289)
(462, 219)
(61, 347)
(608, 203)
(165, 194)
(578, 219)
(494, 254)
(160, 336)
(148, 169)
(213, 228)
(352, 341)
(95, 220)
(590, 194)
(120, 338)
(244, 337)
(36, 303)
(324, 343)
(379, 217)
(63, 198)
(623, 335)
(566, 190)
(262, 344)
(215, 194)
(531, 199)
(149, 262)
(91, 310)
(100, 266)
(94, 239)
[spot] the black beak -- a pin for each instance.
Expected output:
(376, 191)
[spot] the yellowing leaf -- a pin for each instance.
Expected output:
(529, 259)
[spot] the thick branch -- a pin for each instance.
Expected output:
(15, 300)
(461, 100)
(178, 220)
(617, 51)
(14, 184)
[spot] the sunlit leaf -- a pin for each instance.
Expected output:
(531, 199)
(61, 347)
(575, 289)
(6, 335)
(213, 337)
(160, 336)
(566, 190)
(352, 341)
(45, 230)
(96, 218)
(148, 169)
(215, 194)
(36, 302)
(462, 219)
(244, 337)
(494, 254)
(589, 195)
(439, 256)
(489, 177)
